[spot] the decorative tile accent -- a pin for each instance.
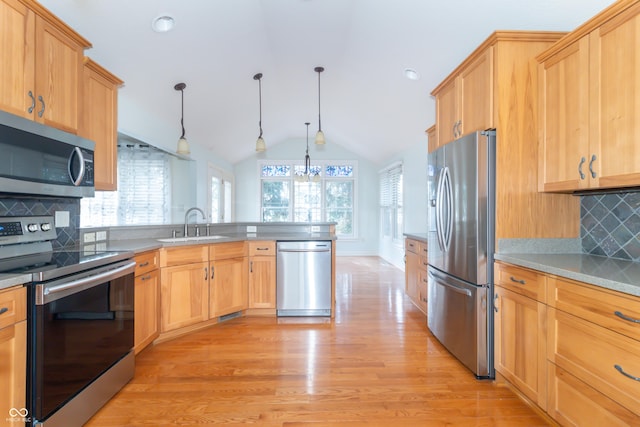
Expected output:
(610, 225)
(67, 236)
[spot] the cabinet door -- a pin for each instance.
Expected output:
(98, 122)
(615, 109)
(228, 292)
(520, 343)
(446, 113)
(184, 295)
(13, 371)
(476, 94)
(146, 324)
(58, 65)
(432, 138)
(17, 45)
(262, 282)
(564, 119)
(412, 269)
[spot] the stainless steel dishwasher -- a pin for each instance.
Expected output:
(303, 273)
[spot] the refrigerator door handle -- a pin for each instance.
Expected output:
(438, 211)
(448, 227)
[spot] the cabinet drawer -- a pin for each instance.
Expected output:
(183, 255)
(146, 262)
(574, 403)
(262, 247)
(227, 250)
(595, 355)
(13, 306)
(521, 280)
(610, 309)
(415, 246)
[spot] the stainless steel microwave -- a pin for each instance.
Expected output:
(40, 160)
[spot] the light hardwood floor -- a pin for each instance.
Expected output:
(375, 364)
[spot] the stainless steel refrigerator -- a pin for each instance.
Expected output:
(461, 186)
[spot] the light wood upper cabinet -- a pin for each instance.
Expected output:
(432, 138)
(41, 65)
(497, 87)
(99, 121)
(589, 87)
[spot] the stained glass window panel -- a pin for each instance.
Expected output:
(345, 171)
(276, 170)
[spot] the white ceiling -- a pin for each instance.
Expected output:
(217, 46)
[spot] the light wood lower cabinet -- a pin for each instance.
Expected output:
(228, 287)
(571, 348)
(147, 300)
(13, 353)
(262, 275)
(416, 272)
(184, 295)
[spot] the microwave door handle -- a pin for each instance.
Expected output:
(76, 152)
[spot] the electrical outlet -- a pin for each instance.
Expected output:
(101, 236)
(251, 228)
(61, 219)
(89, 237)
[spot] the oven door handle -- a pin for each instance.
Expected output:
(48, 293)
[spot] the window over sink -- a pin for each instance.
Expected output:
(329, 196)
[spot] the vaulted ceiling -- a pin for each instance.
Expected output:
(216, 47)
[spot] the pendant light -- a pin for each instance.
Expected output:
(183, 145)
(307, 175)
(260, 145)
(319, 134)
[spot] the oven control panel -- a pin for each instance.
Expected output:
(26, 229)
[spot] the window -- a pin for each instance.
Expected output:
(328, 197)
(220, 195)
(391, 215)
(143, 195)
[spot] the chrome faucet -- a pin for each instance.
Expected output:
(186, 217)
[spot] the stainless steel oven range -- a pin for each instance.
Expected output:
(79, 321)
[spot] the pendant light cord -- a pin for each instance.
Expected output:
(260, 103)
(182, 116)
(319, 70)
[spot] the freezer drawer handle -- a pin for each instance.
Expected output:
(3, 310)
(522, 282)
(454, 288)
(619, 368)
(625, 317)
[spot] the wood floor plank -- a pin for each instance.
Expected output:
(375, 364)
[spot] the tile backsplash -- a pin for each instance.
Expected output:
(67, 236)
(610, 225)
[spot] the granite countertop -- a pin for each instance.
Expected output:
(423, 237)
(610, 273)
(143, 245)
(10, 280)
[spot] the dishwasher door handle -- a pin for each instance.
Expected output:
(318, 248)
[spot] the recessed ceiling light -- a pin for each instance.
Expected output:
(163, 23)
(411, 74)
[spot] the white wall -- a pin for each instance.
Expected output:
(248, 190)
(414, 171)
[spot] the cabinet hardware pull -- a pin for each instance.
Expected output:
(213, 272)
(3, 310)
(619, 368)
(425, 264)
(262, 249)
(206, 273)
(582, 160)
(424, 299)
(454, 129)
(251, 267)
(495, 299)
(33, 102)
(425, 280)
(41, 112)
(144, 264)
(625, 317)
(593, 159)
(147, 277)
(522, 282)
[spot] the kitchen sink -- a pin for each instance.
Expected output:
(190, 239)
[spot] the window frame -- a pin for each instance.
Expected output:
(323, 182)
(395, 207)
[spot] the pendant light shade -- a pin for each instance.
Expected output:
(183, 145)
(260, 145)
(319, 134)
